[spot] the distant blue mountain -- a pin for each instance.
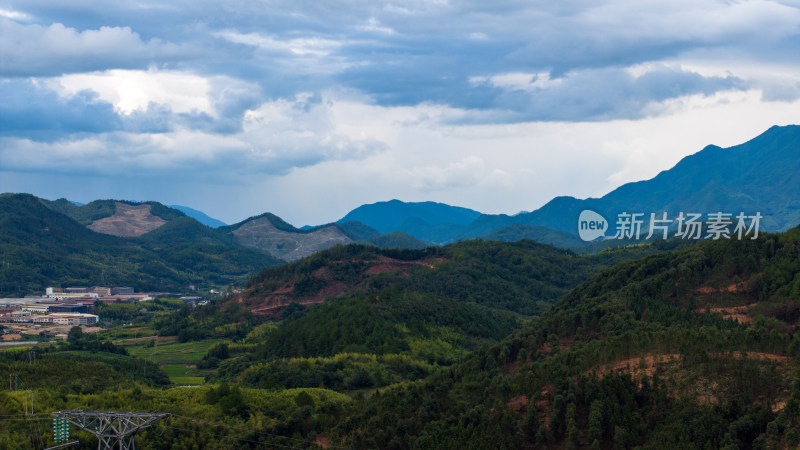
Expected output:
(199, 216)
(757, 176)
(411, 218)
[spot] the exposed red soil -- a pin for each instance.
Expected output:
(386, 264)
(518, 404)
(732, 288)
(779, 405)
(643, 364)
(737, 313)
(128, 221)
(322, 441)
(273, 302)
(647, 364)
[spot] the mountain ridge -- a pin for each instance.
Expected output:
(43, 247)
(200, 216)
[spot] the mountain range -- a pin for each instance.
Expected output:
(474, 344)
(150, 246)
(157, 249)
(757, 176)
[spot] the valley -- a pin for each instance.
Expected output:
(362, 335)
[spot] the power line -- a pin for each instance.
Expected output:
(113, 429)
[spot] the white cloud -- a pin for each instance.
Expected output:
(483, 104)
(32, 49)
(302, 131)
(130, 90)
(467, 172)
(275, 138)
(313, 46)
(374, 25)
(11, 14)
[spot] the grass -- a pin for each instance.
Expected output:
(127, 332)
(180, 374)
(188, 380)
(174, 352)
(177, 359)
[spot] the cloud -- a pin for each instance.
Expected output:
(29, 110)
(35, 110)
(39, 50)
(212, 103)
(398, 53)
(302, 132)
(593, 94)
(419, 97)
(275, 138)
(13, 14)
(467, 172)
(134, 101)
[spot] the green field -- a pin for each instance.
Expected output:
(177, 359)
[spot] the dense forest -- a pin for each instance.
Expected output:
(473, 345)
(640, 355)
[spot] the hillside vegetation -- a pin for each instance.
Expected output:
(41, 247)
(690, 349)
(480, 345)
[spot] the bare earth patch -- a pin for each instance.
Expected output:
(128, 221)
(732, 288)
(262, 234)
(281, 296)
(518, 404)
(648, 363)
(644, 364)
(737, 313)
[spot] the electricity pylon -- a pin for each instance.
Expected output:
(114, 430)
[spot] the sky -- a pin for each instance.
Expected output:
(308, 109)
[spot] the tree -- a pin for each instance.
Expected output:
(596, 420)
(75, 334)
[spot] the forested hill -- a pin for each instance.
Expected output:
(690, 349)
(524, 277)
(360, 317)
(40, 247)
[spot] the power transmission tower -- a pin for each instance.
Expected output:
(114, 430)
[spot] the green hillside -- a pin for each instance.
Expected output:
(524, 277)
(40, 247)
(518, 232)
(398, 239)
(484, 344)
(690, 349)
(359, 317)
(98, 209)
